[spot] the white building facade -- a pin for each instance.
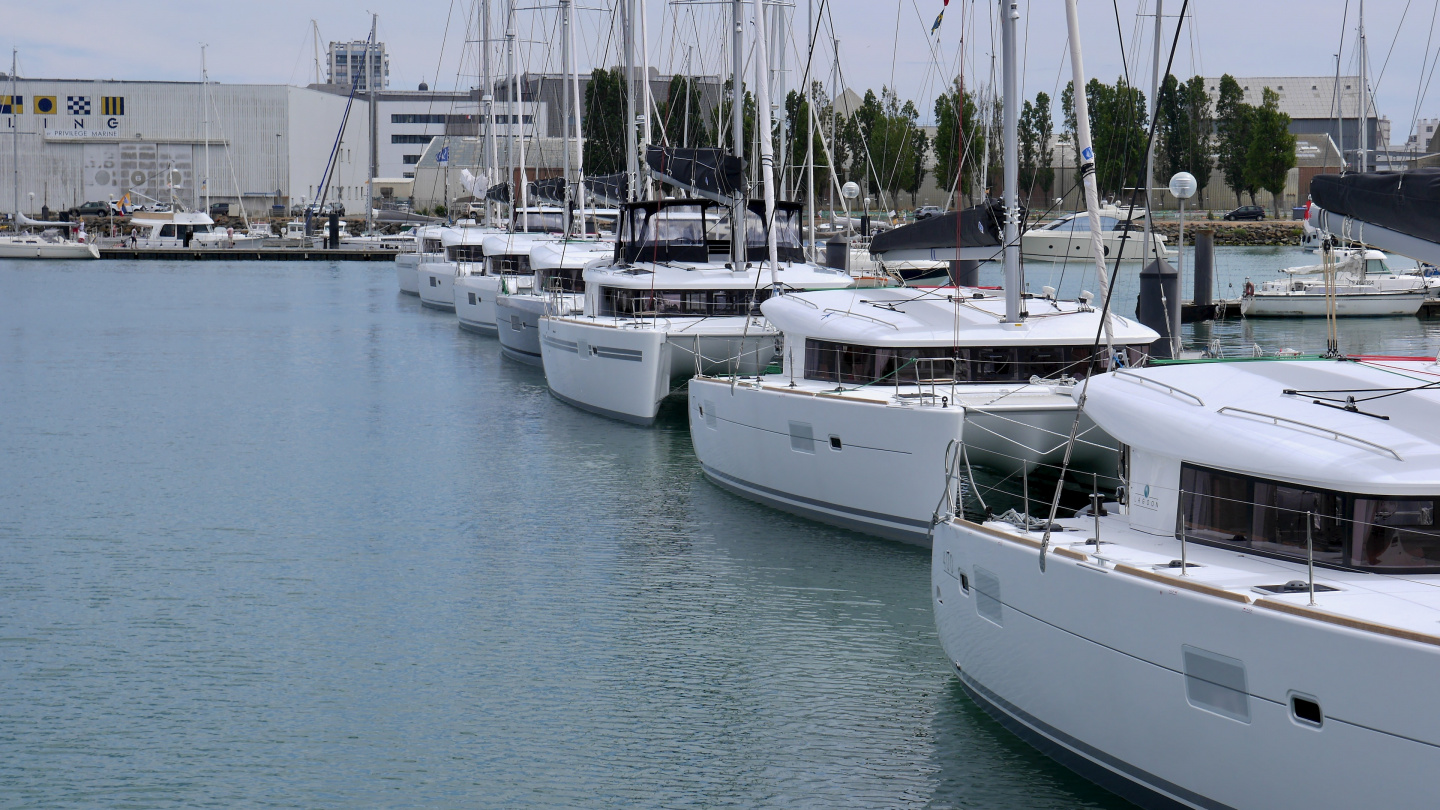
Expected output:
(262, 145)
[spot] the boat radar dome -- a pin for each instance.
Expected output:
(424, 88)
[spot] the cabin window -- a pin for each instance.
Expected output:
(167, 230)
(1397, 534)
(540, 221)
(510, 265)
(465, 253)
(623, 302)
(560, 279)
(1082, 223)
(849, 364)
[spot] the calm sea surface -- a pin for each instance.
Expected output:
(273, 535)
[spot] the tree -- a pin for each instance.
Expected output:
(1233, 121)
(674, 127)
(1199, 123)
(603, 124)
(1271, 152)
(1118, 132)
(1037, 156)
(958, 141)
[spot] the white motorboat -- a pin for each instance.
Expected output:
(175, 228)
(1069, 237)
(883, 388)
(558, 289)
(427, 246)
(669, 307)
(50, 243)
(1362, 284)
(506, 270)
(1180, 649)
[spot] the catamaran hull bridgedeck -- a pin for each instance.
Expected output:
(437, 285)
(874, 463)
(626, 370)
(1175, 696)
(407, 267)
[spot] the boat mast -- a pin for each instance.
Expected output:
(1085, 159)
(15, 137)
(767, 153)
(488, 99)
(1364, 97)
(737, 129)
(647, 104)
(370, 82)
(1150, 153)
(517, 129)
(810, 130)
(205, 116)
(632, 164)
(566, 220)
(575, 109)
(1008, 19)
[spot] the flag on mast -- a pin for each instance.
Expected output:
(939, 17)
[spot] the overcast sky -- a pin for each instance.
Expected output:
(881, 43)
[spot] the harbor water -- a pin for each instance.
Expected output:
(274, 535)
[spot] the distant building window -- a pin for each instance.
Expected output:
(411, 160)
(408, 174)
(411, 138)
(417, 118)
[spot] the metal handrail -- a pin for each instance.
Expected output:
(804, 301)
(1167, 386)
(866, 317)
(1296, 424)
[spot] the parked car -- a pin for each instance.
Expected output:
(90, 209)
(220, 209)
(1254, 212)
(316, 210)
(926, 212)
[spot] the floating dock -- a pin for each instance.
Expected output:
(275, 254)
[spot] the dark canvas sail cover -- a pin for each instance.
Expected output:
(710, 173)
(549, 190)
(1408, 202)
(500, 192)
(608, 189)
(981, 226)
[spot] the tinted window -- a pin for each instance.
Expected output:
(625, 302)
(859, 365)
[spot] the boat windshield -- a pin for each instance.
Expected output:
(671, 233)
(1082, 223)
(1374, 532)
(625, 302)
(540, 221)
(851, 364)
(560, 279)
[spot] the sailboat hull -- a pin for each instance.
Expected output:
(1309, 305)
(36, 248)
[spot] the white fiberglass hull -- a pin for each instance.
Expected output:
(407, 266)
(1180, 695)
(437, 285)
(25, 248)
(518, 322)
(868, 466)
(1059, 245)
(625, 369)
(475, 300)
(1308, 305)
(864, 461)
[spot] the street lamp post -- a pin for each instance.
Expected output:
(1183, 186)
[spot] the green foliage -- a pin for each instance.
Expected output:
(1271, 152)
(1118, 131)
(797, 128)
(1037, 156)
(673, 127)
(1183, 130)
(886, 145)
(1234, 120)
(958, 144)
(603, 124)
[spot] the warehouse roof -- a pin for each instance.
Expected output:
(1301, 96)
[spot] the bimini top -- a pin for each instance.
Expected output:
(911, 317)
(1284, 419)
(513, 244)
(569, 253)
(695, 230)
